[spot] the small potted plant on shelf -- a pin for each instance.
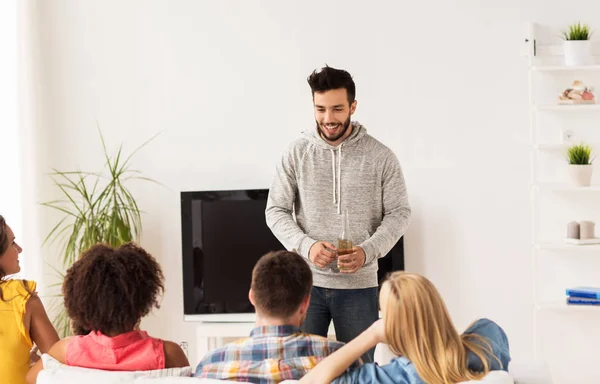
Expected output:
(580, 164)
(577, 46)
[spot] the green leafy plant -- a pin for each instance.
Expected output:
(97, 208)
(578, 32)
(579, 154)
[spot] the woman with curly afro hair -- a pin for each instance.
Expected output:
(107, 292)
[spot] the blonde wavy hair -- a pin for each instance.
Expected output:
(418, 327)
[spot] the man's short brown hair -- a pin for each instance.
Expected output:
(281, 280)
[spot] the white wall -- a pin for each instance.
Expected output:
(10, 183)
(440, 82)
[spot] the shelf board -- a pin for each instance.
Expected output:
(568, 107)
(559, 146)
(562, 306)
(552, 147)
(564, 68)
(566, 187)
(564, 247)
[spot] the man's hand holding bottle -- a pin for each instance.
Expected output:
(353, 261)
(323, 253)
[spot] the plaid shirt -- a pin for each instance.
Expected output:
(271, 354)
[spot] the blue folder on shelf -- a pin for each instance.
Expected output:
(582, 301)
(584, 292)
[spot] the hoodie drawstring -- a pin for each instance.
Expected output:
(339, 178)
(333, 174)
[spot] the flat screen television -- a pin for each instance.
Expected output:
(224, 233)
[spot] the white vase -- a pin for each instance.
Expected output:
(578, 52)
(581, 174)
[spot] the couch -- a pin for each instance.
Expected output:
(56, 373)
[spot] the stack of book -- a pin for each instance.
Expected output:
(583, 296)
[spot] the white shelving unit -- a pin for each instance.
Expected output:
(562, 306)
(543, 66)
(549, 147)
(557, 146)
(564, 187)
(572, 249)
(569, 107)
(564, 68)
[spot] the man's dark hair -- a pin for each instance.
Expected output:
(110, 289)
(331, 78)
(281, 280)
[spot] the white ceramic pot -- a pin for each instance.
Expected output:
(581, 174)
(578, 52)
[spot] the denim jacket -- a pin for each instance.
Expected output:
(401, 371)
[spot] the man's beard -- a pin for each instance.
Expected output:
(325, 135)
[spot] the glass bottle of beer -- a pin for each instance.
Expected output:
(344, 245)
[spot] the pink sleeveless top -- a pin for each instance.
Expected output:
(131, 351)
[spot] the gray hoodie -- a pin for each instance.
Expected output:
(315, 182)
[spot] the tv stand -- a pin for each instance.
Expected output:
(222, 318)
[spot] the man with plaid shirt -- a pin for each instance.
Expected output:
(277, 349)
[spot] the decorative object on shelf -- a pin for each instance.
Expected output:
(580, 164)
(587, 292)
(577, 46)
(583, 295)
(582, 301)
(573, 230)
(586, 230)
(581, 233)
(577, 93)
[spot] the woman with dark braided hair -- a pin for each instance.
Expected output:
(107, 292)
(23, 319)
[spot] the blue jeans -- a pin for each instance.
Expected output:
(352, 311)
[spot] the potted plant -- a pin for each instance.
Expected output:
(580, 164)
(96, 208)
(577, 46)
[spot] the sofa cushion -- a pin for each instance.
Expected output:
(383, 355)
(493, 377)
(55, 372)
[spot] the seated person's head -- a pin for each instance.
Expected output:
(418, 326)
(411, 305)
(111, 289)
(281, 285)
(9, 251)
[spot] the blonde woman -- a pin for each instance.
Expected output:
(417, 327)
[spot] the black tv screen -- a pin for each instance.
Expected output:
(224, 233)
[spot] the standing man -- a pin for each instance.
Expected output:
(333, 167)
